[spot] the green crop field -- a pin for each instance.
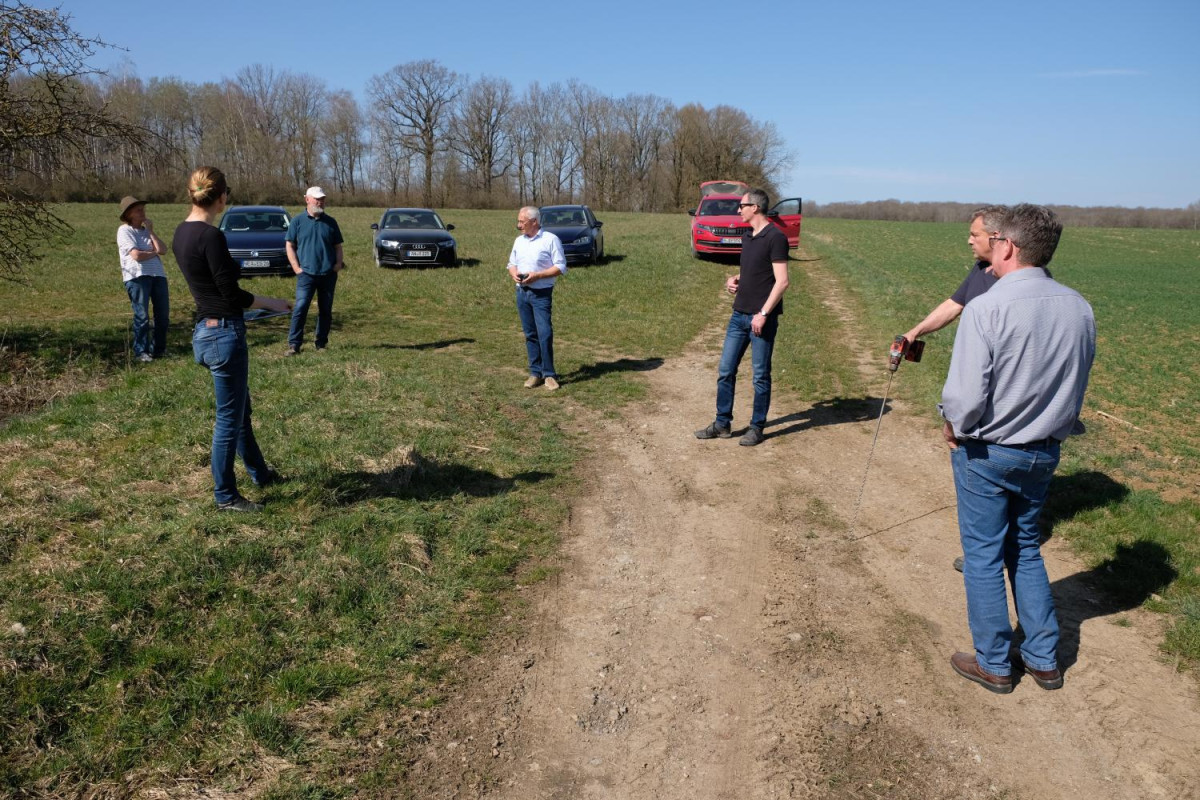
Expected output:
(143, 634)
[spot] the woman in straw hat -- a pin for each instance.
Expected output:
(145, 279)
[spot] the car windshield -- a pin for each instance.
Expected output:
(563, 216)
(719, 208)
(412, 220)
(255, 221)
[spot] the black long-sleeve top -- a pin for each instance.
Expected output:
(211, 273)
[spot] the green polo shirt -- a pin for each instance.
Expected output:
(316, 240)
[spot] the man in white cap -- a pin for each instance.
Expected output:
(314, 248)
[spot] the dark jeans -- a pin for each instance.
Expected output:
(143, 291)
(534, 307)
(306, 286)
(738, 336)
(222, 348)
(1001, 491)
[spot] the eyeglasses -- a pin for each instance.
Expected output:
(228, 191)
(997, 239)
(744, 205)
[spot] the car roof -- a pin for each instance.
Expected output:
(255, 209)
(564, 205)
(407, 210)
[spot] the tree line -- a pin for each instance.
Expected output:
(425, 135)
(1072, 216)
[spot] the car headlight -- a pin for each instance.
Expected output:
(585, 239)
(391, 244)
(446, 243)
(705, 228)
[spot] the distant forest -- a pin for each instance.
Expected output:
(428, 136)
(424, 135)
(1072, 216)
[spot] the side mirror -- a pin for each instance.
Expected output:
(449, 227)
(374, 226)
(599, 224)
(691, 212)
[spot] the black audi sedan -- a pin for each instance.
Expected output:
(579, 230)
(255, 235)
(413, 236)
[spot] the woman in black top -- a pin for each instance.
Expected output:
(219, 338)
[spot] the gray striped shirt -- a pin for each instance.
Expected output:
(1021, 359)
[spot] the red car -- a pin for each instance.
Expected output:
(717, 226)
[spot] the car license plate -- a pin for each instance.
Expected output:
(256, 264)
(420, 253)
(731, 240)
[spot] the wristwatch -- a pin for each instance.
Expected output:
(763, 312)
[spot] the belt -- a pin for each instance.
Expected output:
(1036, 445)
(220, 322)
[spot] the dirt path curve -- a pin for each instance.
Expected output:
(718, 631)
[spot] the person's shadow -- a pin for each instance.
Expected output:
(597, 369)
(1124, 581)
(835, 411)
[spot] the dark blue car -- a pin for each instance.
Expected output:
(579, 230)
(255, 235)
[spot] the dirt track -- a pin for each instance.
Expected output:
(718, 631)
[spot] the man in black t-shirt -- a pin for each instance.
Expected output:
(758, 302)
(984, 223)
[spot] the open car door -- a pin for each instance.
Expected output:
(786, 216)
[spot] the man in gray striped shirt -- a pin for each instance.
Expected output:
(1022, 354)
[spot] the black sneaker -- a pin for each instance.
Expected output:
(714, 431)
(751, 437)
(240, 504)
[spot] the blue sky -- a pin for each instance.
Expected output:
(1084, 103)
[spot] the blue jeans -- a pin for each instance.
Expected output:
(534, 307)
(737, 337)
(306, 286)
(1001, 491)
(143, 291)
(222, 349)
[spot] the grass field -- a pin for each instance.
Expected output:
(142, 634)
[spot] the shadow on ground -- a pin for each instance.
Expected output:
(597, 369)
(438, 345)
(1073, 494)
(835, 411)
(424, 480)
(1120, 583)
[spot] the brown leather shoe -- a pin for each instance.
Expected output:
(1046, 678)
(969, 668)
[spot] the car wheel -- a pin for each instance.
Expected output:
(593, 257)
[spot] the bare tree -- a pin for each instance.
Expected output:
(481, 133)
(343, 142)
(416, 101)
(50, 124)
(305, 103)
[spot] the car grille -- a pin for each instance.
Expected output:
(745, 231)
(269, 253)
(401, 256)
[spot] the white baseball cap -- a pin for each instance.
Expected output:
(315, 191)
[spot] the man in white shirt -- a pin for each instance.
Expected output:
(535, 263)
